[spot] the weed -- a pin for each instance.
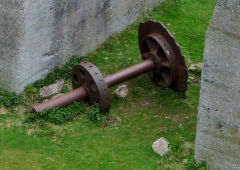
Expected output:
(198, 71)
(95, 115)
(176, 148)
(57, 115)
(31, 93)
(191, 163)
(10, 99)
(65, 89)
(31, 117)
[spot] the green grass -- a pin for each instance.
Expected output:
(124, 138)
(9, 99)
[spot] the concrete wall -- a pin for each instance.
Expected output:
(10, 33)
(218, 131)
(38, 35)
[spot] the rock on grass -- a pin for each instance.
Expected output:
(51, 90)
(161, 146)
(122, 91)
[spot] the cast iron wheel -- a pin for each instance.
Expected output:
(157, 43)
(87, 75)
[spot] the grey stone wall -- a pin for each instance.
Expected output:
(10, 33)
(218, 131)
(38, 35)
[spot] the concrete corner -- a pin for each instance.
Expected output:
(218, 130)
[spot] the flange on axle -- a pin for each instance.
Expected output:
(162, 59)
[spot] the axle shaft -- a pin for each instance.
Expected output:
(61, 101)
(130, 72)
(111, 80)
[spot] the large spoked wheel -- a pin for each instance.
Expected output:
(157, 43)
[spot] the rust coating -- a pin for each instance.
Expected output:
(156, 42)
(81, 93)
(129, 73)
(163, 60)
(87, 74)
(61, 101)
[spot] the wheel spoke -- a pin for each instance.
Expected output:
(165, 64)
(152, 46)
(166, 74)
(145, 55)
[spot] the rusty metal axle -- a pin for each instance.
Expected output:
(111, 80)
(163, 61)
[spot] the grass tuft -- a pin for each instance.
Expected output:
(9, 99)
(57, 115)
(192, 165)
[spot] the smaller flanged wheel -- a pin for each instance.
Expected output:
(87, 75)
(157, 43)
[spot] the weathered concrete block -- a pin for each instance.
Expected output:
(38, 35)
(218, 131)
